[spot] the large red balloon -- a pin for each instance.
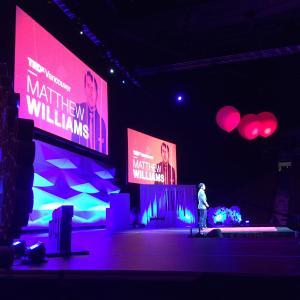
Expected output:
(268, 123)
(249, 127)
(228, 118)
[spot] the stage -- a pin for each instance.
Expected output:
(156, 262)
(173, 250)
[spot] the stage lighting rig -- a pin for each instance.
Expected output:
(86, 31)
(35, 254)
(19, 248)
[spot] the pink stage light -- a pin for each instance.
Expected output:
(228, 118)
(249, 127)
(268, 123)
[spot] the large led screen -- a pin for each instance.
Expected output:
(150, 160)
(57, 90)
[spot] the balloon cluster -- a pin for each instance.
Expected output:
(249, 126)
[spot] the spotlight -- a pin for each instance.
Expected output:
(179, 98)
(36, 253)
(111, 71)
(81, 32)
(123, 81)
(19, 248)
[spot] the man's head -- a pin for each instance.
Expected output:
(164, 152)
(91, 89)
(202, 186)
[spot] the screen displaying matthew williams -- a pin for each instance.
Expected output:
(57, 90)
(150, 160)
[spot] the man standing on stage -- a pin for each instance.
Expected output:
(202, 206)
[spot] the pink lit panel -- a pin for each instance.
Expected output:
(57, 90)
(150, 160)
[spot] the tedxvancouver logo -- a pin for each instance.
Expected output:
(47, 104)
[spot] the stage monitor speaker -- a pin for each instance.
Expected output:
(217, 233)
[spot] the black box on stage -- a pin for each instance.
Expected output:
(60, 229)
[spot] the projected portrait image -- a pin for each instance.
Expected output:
(150, 160)
(60, 93)
(96, 136)
(164, 170)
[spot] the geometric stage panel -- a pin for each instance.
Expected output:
(63, 177)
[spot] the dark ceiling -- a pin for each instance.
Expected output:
(219, 46)
(150, 33)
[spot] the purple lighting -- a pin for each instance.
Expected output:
(167, 205)
(63, 177)
(65, 9)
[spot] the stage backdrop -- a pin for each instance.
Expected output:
(63, 177)
(150, 160)
(168, 205)
(58, 91)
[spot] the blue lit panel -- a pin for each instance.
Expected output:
(66, 178)
(40, 181)
(104, 174)
(85, 188)
(62, 163)
(167, 205)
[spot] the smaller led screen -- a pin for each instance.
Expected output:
(150, 160)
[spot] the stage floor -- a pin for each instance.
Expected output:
(162, 264)
(173, 250)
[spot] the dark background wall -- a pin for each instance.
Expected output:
(235, 170)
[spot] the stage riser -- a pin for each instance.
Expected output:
(259, 234)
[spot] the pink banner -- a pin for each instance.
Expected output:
(57, 90)
(150, 160)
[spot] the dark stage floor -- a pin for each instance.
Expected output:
(173, 250)
(166, 259)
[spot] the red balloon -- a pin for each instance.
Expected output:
(268, 123)
(228, 118)
(249, 127)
